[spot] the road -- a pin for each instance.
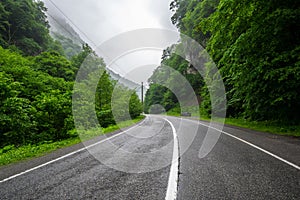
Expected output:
(142, 163)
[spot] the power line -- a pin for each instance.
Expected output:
(83, 33)
(63, 27)
(71, 22)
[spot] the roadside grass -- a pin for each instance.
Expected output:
(12, 155)
(175, 114)
(266, 126)
(263, 126)
(272, 127)
(177, 110)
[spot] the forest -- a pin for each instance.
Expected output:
(254, 44)
(256, 48)
(37, 79)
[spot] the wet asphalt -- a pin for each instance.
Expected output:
(136, 165)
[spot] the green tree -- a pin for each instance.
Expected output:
(27, 27)
(55, 65)
(24, 27)
(126, 104)
(16, 114)
(154, 95)
(3, 24)
(54, 115)
(135, 106)
(31, 102)
(103, 101)
(256, 46)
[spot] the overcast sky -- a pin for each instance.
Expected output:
(99, 21)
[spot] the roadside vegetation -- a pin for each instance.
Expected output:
(255, 46)
(36, 85)
(11, 154)
(273, 127)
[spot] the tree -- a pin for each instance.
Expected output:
(34, 106)
(16, 114)
(256, 46)
(24, 27)
(54, 115)
(103, 101)
(3, 24)
(135, 106)
(55, 65)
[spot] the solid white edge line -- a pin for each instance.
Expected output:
(67, 155)
(250, 144)
(173, 177)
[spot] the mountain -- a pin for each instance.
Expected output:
(72, 43)
(126, 82)
(63, 32)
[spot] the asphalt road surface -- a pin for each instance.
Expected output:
(159, 159)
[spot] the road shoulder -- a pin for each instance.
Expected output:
(21, 166)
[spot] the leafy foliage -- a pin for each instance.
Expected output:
(30, 101)
(23, 24)
(165, 81)
(68, 46)
(255, 45)
(55, 65)
(36, 80)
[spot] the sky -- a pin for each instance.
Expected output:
(101, 22)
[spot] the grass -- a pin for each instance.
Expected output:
(172, 113)
(263, 126)
(31, 151)
(266, 126)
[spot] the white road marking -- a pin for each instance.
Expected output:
(173, 177)
(250, 144)
(67, 155)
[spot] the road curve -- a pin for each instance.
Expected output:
(82, 176)
(237, 170)
(136, 164)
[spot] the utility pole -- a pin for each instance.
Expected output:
(142, 91)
